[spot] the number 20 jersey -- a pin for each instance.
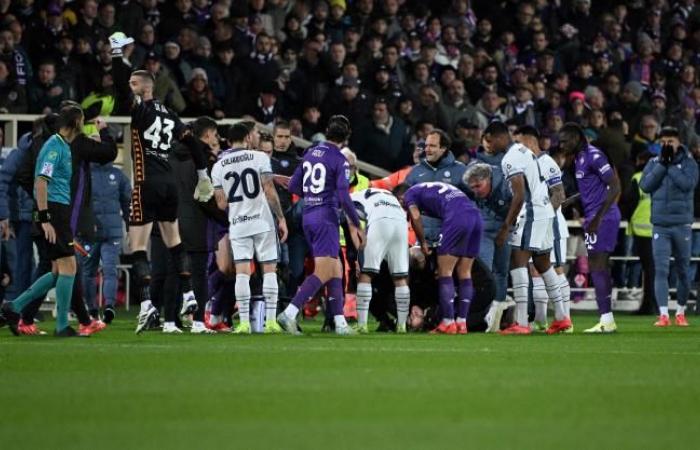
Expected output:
(153, 129)
(239, 174)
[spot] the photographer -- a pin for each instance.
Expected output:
(670, 179)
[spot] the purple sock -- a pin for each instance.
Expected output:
(224, 295)
(308, 289)
(214, 281)
(466, 293)
(446, 291)
(603, 290)
(335, 296)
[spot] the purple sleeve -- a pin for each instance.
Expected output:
(343, 189)
(295, 182)
(409, 198)
(600, 165)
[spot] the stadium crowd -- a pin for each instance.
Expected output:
(421, 85)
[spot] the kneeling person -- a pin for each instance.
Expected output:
(459, 244)
(243, 182)
(387, 239)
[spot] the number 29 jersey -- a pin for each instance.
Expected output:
(239, 174)
(153, 129)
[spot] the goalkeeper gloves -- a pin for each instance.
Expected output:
(118, 41)
(204, 190)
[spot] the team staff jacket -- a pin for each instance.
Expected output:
(671, 188)
(15, 203)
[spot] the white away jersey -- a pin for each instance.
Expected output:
(519, 160)
(378, 204)
(239, 174)
(552, 174)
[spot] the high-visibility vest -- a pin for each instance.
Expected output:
(640, 222)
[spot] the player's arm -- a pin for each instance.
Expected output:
(295, 186)
(417, 224)
(557, 195)
(274, 201)
(41, 187)
(517, 186)
(613, 192)
(221, 201)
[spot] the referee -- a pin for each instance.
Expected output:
(52, 191)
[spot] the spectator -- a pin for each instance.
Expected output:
(199, 97)
(385, 140)
(13, 97)
(489, 109)
(458, 106)
(46, 93)
(429, 109)
(671, 179)
(165, 88)
(348, 100)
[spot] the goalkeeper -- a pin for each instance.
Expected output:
(154, 197)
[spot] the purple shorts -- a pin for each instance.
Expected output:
(461, 235)
(605, 240)
(322, 235)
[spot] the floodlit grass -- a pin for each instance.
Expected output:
(639, 389)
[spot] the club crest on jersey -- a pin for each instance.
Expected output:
(284, 163)
(447, 174)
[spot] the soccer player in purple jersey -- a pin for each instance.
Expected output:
(460, 237)
(599, 187)
(322, 181)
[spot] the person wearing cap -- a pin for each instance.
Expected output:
(632, 105)
(385, 140)
(349, 100)
(266, 107)
(670, 179)
(521, 108)
(383, 86)
(165, 88)
(199, 97)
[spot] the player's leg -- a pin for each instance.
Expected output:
(171, 237)
(682, 236)
(380, 237)
(88, 275)
(199, 284)
(336, 298)
(222, 284)
(267, 251)
(602, 283)
(540, 300)
(364, 296)
(521, 282)
(446, 292)
(558, 259)
(398, 260)
(243, 252)
(465, 293)
(66, 268)
(544, 242)
(109, 250)
(139, 236)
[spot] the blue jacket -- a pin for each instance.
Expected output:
(671, 189)
(447, 170)
(111, 198)
(494, 208)
(15, 203)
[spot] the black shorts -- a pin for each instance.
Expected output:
(154, 200)
(60, 219)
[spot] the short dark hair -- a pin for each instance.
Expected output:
(69, 116)
(528, 130)
(496, 128)
(202, 124)
(445, 141)
(338, 129)
(144, 75)
(281, 123)
(669, 132)
(238, 131)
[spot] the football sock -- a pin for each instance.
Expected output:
(551, 281)
(602, 283)
(663, 310)
(243, 296)
(270, 292)
(37, 290)
(466, 292)
(680, 310)
(402, 295)
(311, 285)
(335, 296)
(181, 260)
(565, 289)
(64, 291)
(446, 292)
(520, 284)
(214, 319)
(364, 295)
(540, 298)
(607, 318)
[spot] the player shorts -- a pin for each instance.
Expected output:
(535, 236)
(558, 255)
(605, 240)
(154, 200)
(262, 246)
(461, 235)
(60, 219)
(387, 239)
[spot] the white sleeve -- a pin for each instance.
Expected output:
(551, 171)
(216, 178)
(265, 165)
(512, 164)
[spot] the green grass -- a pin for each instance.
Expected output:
(638, 389)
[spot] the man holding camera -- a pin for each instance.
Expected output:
(670, 179)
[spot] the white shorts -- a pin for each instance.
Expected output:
(558, 256)
(536, 236)
(387, 239)
(262, 245)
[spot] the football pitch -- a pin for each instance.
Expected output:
(638, 389)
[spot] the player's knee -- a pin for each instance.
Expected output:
(142, 269)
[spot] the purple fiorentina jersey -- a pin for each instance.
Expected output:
(440, 200)
(593, 172)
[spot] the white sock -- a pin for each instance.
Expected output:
(402, 295)
(520, 284)
(565, 289)
(607, 318)
(364, 295)
(551, 281)
(197, 324)
(188, 295)
(663, 310)
(340, 321)
(291, 311)
(447, 321)
(680, 310)
(146, 305)
(168, 324)
(270, 292)
(243, 296)
(214, 319)
(540, 298)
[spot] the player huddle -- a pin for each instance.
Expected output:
(243, 185)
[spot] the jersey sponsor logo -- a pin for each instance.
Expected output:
(244, 218)
(386, 203)
(579, 174)
(47, 169)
